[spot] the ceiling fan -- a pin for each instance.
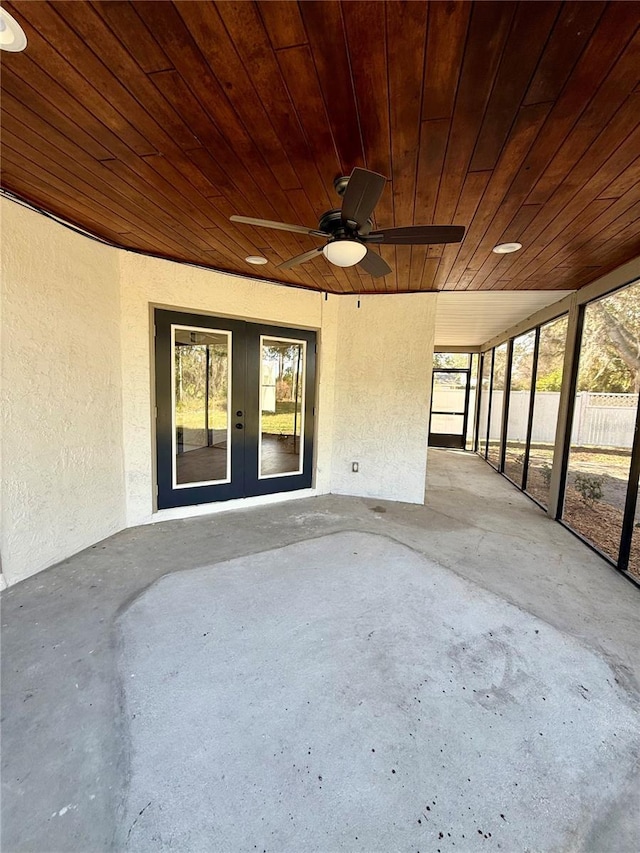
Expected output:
(348, 230)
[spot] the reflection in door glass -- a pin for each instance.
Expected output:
(201, 406)
(281, 406)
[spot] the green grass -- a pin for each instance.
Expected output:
(191, 416)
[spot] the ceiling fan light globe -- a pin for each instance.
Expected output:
(344, 253)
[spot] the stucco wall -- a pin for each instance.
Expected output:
(382, 395)
(77, 408)
(146, 281)
(62, 462)
(374, 376)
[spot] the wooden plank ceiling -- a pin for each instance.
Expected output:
(149, 123)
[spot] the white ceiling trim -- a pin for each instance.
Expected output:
(469, 318)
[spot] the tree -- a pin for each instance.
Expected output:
(610, 351)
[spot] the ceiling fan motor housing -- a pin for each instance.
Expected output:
(333, 226)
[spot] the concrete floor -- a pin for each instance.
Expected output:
(476, 590)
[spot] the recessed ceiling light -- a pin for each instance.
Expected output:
(256, 259)
(507, 248)
(12, 35)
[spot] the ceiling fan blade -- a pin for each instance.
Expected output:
(417, 235)
(375, 265)
(361, 196)
(299, 259)
(280, 226)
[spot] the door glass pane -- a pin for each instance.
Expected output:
(546, 401)
(483, 416)
(519, 399)
(281, 406)
(604, 419)
(201, 384)
(449, 392)
(447, 424)
(497, 403)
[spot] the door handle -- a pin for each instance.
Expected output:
(239, 426)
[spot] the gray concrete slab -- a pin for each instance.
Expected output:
(348, 694)
(66, 771)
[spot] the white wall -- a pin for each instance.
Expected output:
(374, 372)
(77, 407)
(62, 462)
(382, 395)
(149, 281)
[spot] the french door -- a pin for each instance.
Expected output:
(235, 408)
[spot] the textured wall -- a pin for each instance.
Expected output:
(146, 281)
(62, 464)
(382, 395)
(78, 444)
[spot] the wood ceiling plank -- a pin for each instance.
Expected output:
(27, 84)
(573, 278)
(488, 30)
(530, 29)
(587, 226)
(96, 86)
(531, 262)
(525, 130)
(123, 20)
(512, 234)
(41, 111)
(207, 28)
(604, 161)
(594, 64)
(226, 133)
(325, 33)
(624, 229)
(433, 145)
(184, 225)
(406, 44)
(17, 163)
(283, 22)
(39, 82)
(627, 179)
(92, 136)
(473, 189)
(573, 28)
(159, 117)
(365, 24)
(612, 93)
(299, 72)
(113, 192)
(245, 27)
(448, 23)
(174, 88)
(583, 184)
(284, 245)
